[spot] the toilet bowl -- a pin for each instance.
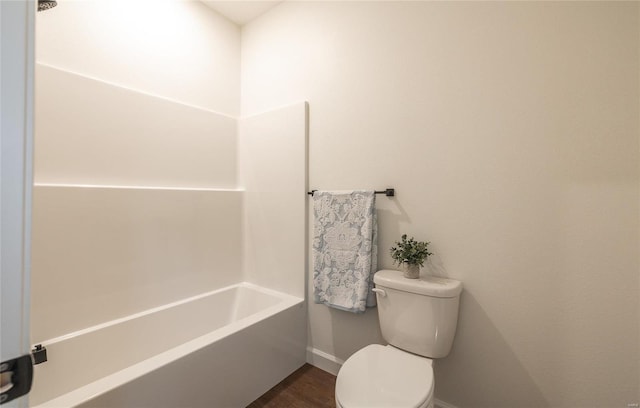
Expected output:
(385, 377)
(418, 318)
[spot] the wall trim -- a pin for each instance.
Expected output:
(324, 361)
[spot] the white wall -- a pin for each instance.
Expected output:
(133, 93)
(180, 50)
(273, 158)
(151, 86)
(104, 253)
(510, 132)
(92, 132)
(134, 97)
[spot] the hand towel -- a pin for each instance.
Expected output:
(345, 249)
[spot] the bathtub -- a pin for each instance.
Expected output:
(223, 348)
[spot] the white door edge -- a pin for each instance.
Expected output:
(17, 62)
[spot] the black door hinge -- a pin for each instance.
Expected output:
(17, 375)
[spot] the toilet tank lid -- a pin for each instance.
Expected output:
(427, 285)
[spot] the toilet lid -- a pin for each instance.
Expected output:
(384, 377)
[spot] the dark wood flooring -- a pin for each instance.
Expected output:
(307, 387)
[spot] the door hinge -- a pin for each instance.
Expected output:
(16, 376)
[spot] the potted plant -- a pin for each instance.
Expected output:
(409, 255)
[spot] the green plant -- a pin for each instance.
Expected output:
(410, 251)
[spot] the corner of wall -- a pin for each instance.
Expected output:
(323, 361)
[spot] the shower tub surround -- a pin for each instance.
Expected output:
(164, 273)
(223, 348)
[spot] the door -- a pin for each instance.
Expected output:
(17, 32)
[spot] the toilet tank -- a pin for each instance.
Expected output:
(418, 315)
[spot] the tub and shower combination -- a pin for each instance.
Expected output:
(223, 348)
(165, 291)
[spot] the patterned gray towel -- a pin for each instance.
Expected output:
(345, 249)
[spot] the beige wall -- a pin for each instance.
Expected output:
(510, 131)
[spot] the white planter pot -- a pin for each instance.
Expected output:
(411, 271)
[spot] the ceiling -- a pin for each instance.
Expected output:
(239, 11)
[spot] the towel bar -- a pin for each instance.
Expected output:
(389, 192)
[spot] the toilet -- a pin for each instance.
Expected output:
(418, 318)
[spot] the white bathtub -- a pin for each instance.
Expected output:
(220, 349)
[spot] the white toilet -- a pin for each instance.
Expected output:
(418, 317)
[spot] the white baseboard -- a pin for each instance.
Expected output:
(441, 404)
(324, 361)
(332, 364)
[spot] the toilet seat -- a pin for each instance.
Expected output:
(385, 377)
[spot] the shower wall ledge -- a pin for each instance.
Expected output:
(132, 187)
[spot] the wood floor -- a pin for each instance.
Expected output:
(308, 387)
